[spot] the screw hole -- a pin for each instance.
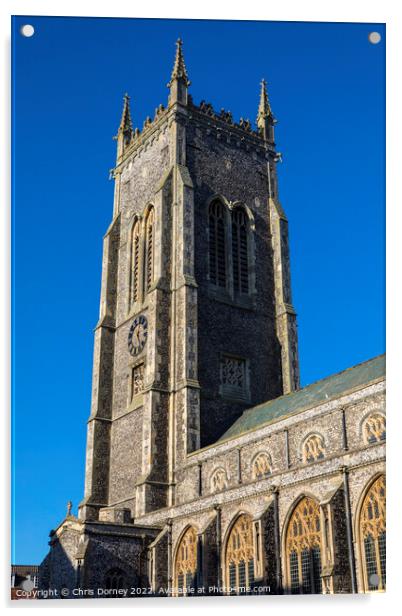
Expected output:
(374, 37)
(27, 30)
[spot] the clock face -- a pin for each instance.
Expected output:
(137, 336)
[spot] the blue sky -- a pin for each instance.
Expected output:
(326, 85)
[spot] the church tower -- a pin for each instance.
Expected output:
(196, 320)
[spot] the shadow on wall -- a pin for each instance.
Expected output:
(99, 571)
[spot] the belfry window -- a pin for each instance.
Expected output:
(303, 548)
(217, 244)
(135, 264)
(149, 249)
(240, 553)
(186, 563)
(240, 251)
(373, 536)
(231, 245)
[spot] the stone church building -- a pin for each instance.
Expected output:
(208, 469)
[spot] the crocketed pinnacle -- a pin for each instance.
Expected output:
(125, 123)
(264, 109)
(179, 68)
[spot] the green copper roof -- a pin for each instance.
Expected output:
(331, 387)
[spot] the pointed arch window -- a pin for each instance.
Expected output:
(186, 562)
(135, 263)
(373, 536)
(240, 554)
(240, 251)
(217, 244)
(303, 548)
(149, 249)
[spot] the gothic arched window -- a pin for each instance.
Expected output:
(115, 579)
(313, 448)
(217, 244)
(186, 562)
(149, 249)
(218, 481)
(240, 552)
(372, 536)
(135, 264)
(303, 548)
(374, 428)
(262, 466)
(240, 251)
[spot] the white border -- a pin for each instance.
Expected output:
(288, 10)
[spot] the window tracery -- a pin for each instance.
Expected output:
(313, 449)
(217, 244)
(137, 380)
(240, 553)
(262, 466)
(373, 535)
(374, 428)
(303, 548)
(135, 263)
(149, 249)
(115, 579)
(186, 562)
(240, 251)
(233, 376)
(218, 480)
